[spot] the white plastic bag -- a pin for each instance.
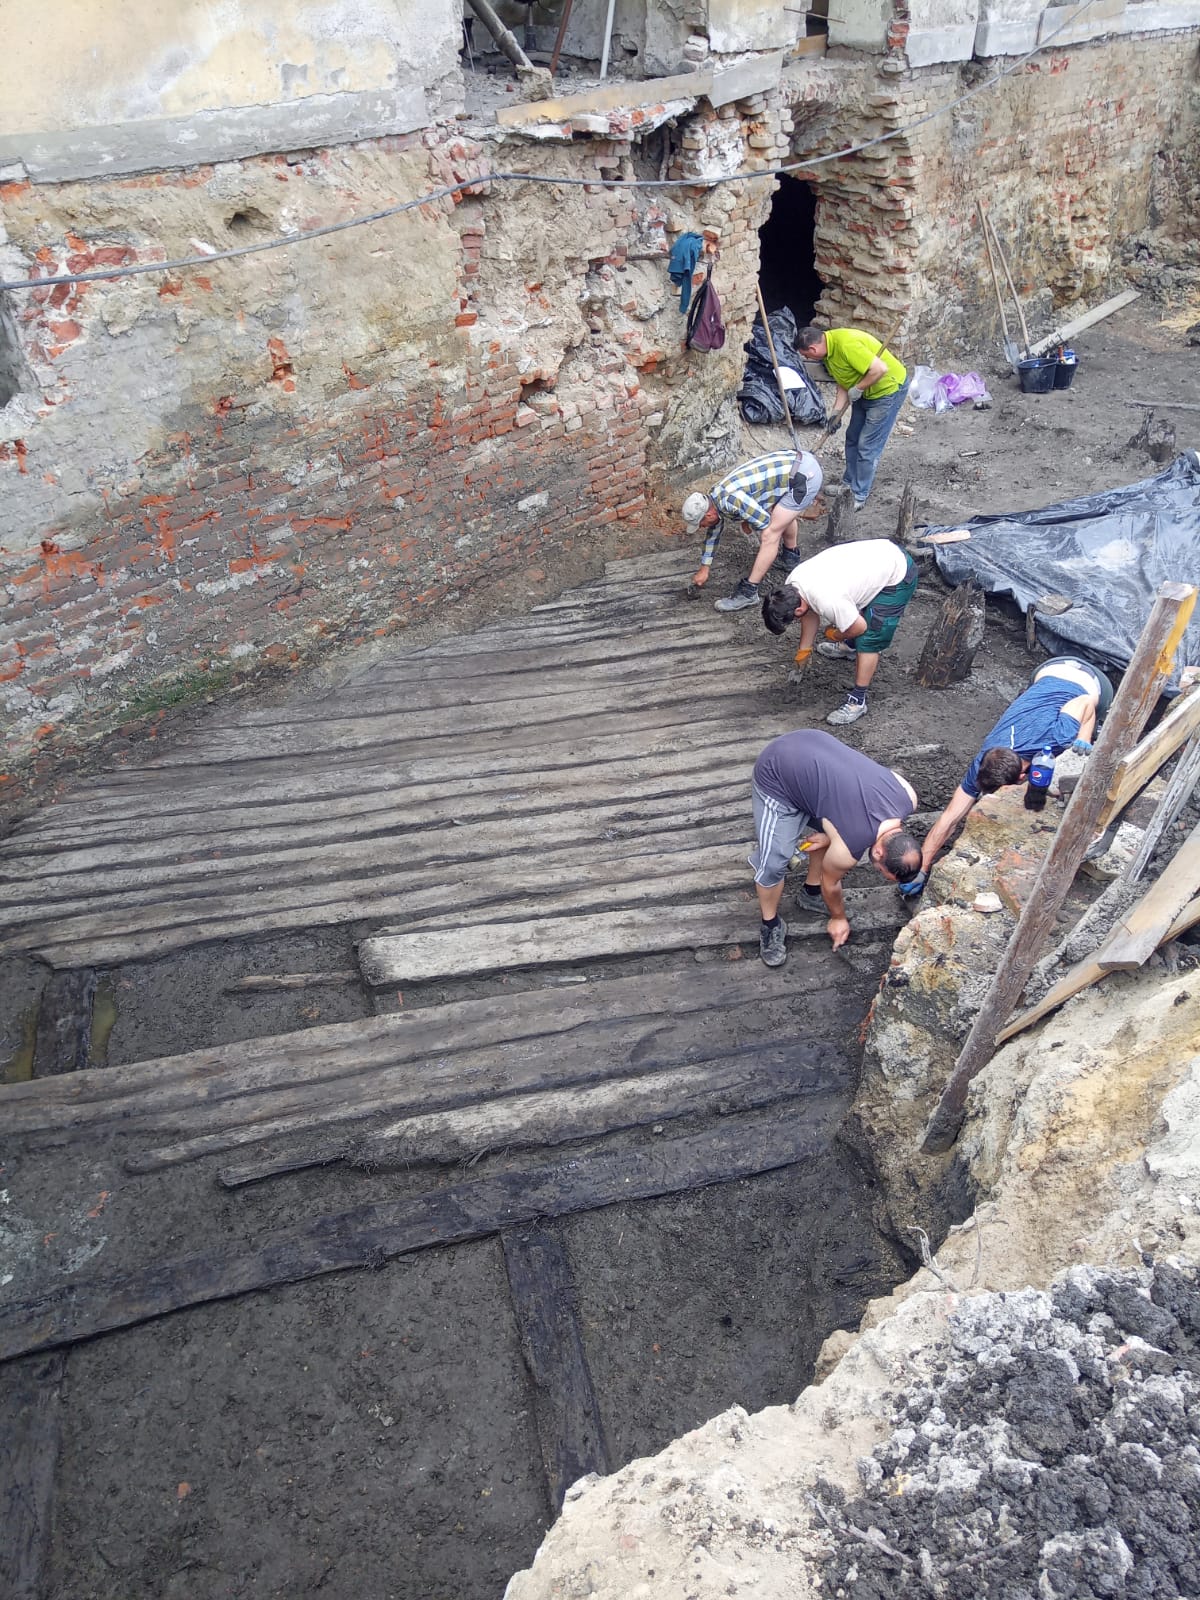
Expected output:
(923, 391)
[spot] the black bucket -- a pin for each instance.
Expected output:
(1064, 373)
(1037, 374)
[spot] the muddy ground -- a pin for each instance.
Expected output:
(370, 1433)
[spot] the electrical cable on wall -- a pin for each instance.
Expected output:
(301, 236)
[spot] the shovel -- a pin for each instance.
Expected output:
(1011, 353)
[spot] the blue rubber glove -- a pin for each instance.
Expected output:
(1081, 747)
(915, 887)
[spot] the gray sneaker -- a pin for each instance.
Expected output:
(810, 902)
(850, 712)
(834, 650)
(787, 559)
(746, 594)
(772, 947)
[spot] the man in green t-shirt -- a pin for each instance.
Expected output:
(872, 382)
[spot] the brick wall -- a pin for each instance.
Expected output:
(288, 473)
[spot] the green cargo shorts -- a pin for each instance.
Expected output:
(884, 612)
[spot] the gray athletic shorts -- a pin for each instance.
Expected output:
(778, 829)
(808, 470)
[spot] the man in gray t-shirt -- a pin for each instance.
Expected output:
(849, 805)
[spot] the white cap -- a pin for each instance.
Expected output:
(694, 508)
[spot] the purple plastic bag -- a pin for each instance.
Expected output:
(956, 390)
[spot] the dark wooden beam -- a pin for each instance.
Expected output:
(739, 1147)
(569, 1426)
(30, 1435)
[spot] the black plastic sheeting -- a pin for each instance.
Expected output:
(1107, 553)
(759, 393)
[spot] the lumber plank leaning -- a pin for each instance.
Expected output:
(1141, 685)
(1084, 975)
(741, 1147)
(1086, 320)
(1143, 761)
(1142, 930)
(569, 1426)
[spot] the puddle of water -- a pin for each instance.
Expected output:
(104, 1020)
(19, 1066)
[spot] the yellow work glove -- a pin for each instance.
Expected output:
(802, 657)
(835, 634)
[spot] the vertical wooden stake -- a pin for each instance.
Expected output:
(1140, 688)
(907, 515)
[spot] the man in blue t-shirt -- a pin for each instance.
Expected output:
(1060, 708)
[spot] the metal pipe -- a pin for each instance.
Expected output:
(608, 28)
(562, 33)
(505, 41)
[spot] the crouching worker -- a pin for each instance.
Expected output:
(1059, 710)
(815, 795)
(768, 495)
(860, 589)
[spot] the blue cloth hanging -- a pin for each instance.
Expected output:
(685, 253)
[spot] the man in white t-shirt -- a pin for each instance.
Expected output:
(859, 591)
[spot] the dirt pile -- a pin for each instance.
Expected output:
(1054, 1454)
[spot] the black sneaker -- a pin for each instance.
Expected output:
(772, 945)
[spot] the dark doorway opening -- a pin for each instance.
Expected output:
(787, 274)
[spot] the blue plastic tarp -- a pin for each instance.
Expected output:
(1106, 553)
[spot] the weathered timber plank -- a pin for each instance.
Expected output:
(573, 1060)
(335, 1048)
(538, 741)
(569, 1427)
(151, 926)
(442, 953)
(100, 880)
(552, 719)
(456, 691)
(30, 1397)
(1084, 975)
(754, 1076)
(740, 1147)
(209, 809)
(1136, 937)
(176, 790)
(1149, 754)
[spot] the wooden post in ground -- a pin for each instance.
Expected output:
(840, 527)
(954, 638)
(907, 515)
(1140, 689)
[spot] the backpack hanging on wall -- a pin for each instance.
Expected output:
(705, 325)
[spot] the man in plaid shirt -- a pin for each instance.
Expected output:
(767, 494)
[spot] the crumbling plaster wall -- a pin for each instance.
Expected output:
(220, 466)
(96, 89)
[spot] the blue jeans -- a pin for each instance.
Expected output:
(871, 421)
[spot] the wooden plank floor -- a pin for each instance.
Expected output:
(592, 755)
(568, 790)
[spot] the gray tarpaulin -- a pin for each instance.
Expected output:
(1106, 553)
